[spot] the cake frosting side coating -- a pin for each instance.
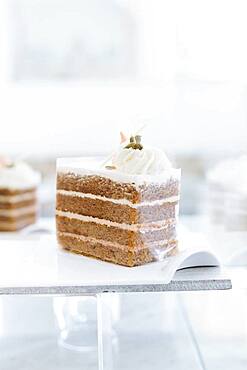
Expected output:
(92, 167)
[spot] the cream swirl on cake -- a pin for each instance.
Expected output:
(18, 175)
(148, 161)
(138, 160)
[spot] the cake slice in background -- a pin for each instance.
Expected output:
(123, 212)
(18, 198)
(227, 194)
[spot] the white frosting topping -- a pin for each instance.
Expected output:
(147, 161)
(138, 165)
(86, 166)
(20, 176)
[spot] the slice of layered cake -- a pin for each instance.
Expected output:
(125, 212)
(18, 201)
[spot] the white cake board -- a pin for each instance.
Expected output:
(39, 266)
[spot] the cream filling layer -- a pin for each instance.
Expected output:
(17, 198)
(136, 227)
(152, 245)
(118, 201)
(18, 211)
(15, 225)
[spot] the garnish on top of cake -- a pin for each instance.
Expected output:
(123, 212)
(138, 159)
(135, 143)
(18, 200)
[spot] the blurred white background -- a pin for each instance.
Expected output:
(73, 73)
(74, 70)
